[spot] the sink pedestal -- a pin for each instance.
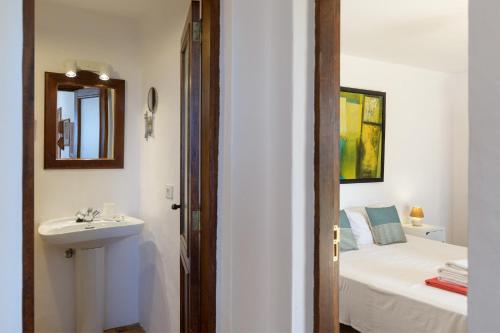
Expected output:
(90, 260)
(90, 289)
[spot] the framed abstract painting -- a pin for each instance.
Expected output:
(362, 135)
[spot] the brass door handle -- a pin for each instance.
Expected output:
(336, 243)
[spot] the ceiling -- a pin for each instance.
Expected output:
(423, 33)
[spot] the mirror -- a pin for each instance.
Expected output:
(152, 99)
(85, 127)
(84, 119)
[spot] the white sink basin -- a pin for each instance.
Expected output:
(90, 241)
(67, 232)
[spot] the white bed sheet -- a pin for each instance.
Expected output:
(382, 288)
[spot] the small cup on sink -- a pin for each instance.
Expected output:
(109, 211)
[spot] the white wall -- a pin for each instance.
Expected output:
(265, 213)
(484, 195)
(66, 101)
(302, 167)
(161, 32)
(64, 33)
(425, 139)
(11, 167)
(460, 159)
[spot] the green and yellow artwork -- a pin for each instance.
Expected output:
(362, 132)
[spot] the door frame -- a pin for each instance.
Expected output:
(326, 163)
(209, 163)
(28, 182)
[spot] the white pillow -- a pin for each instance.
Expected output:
(360, 228)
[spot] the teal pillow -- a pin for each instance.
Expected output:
(347, 241)
(385, 225)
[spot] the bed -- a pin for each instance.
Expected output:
(382, 288)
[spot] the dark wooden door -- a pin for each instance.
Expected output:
(190, 172)
(102, 95)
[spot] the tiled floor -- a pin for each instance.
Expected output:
(136, 328)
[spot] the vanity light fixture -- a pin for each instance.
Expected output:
(71, 68)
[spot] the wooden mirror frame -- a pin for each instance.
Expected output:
(88, 79)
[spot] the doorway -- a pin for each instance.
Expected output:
(371, 77)
(209, 122)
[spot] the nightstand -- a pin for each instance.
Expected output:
(426, 231)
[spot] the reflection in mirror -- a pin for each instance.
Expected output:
(85, 122)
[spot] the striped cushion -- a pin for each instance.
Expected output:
(386, 226)
(347, 241)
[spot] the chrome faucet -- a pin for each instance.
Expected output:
(87, 215)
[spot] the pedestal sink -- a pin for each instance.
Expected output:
(89, 240)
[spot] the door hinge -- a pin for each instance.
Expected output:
(195, 218)
(336, 243)
(196, 31)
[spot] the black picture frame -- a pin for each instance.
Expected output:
(374, 93)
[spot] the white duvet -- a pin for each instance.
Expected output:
(382, 288)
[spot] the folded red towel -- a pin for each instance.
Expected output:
(435, 282)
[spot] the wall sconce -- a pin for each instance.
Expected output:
(72, 67)
(149, 114)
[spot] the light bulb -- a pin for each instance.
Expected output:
(104, 72)
(70, 67)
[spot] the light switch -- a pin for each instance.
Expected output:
(169, 192)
